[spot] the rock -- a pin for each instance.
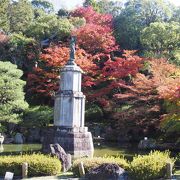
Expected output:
(107, 171)
(56, 149)
(18, 138)
(147, 144)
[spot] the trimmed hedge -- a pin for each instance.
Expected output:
(151, 166)
(38, 164)
(96, 161)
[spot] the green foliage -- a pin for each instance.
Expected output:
(151, 166)
(77, 22)
(46, 6)
(19, 40)
(38, 164)
(2, 128)
(174, 57)
(63, 13)
(96, 161)
(4, 21)
(176, 14)
(21, 49)
(41, 114)
(161, 38)
(136, 15)
(92, 3)
(12, 102)
(110, 7)
(48, 25)
(170, 127)
(20, 15)
(93, 113)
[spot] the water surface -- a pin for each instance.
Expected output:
(101, 149)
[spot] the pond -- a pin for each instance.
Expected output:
(101, 149)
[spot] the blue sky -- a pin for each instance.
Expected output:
(70, 4)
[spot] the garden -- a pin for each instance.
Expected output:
(129, 52)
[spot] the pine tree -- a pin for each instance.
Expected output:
(12, 101)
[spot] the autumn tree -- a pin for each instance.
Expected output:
(140, 106)
(43, 82)
(96, 36)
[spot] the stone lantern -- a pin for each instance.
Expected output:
(69, 109)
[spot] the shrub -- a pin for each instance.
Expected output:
(41, 114)
(96, 161)
(93, 113)
(38, 164)
(151, 166)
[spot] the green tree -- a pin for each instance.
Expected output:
(136, 15)
(41, 114)
(176, 14)
(110, 7)
(23, 51)
(48, 25)
(161, 39)
(4, 21)
(46, 6)
(12, 103)
(20, 15)
(92, 3)
(63, 13)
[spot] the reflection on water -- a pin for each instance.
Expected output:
(19, 148)
(101, 149)
(114, 149)
(1, 148)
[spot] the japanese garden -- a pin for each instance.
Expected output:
(90, 92)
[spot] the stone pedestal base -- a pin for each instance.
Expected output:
(75, 141)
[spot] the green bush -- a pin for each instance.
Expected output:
(96, 161)
(93, 113)
(151, 166)
(38, 164)
(41, 114)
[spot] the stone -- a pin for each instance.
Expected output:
(57, 150)
(107, 171)
(76, 141)
(8, 176)
(147, 144)
(18, 138)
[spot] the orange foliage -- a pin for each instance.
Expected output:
(44, 80)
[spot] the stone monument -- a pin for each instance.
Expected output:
(69, 130)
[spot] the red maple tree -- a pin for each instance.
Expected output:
(43, 82)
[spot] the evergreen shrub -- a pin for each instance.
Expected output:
(38, 164)
(151, 166)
